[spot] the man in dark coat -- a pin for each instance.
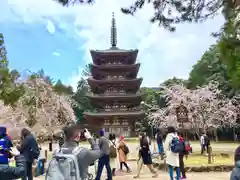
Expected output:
(29, 149)
(10, 173)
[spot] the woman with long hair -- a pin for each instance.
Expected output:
(172, 158)
(113, 147)
(122, 154)
(145, 156)
(29, 149)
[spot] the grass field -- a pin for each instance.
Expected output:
(195, 158)
(203, 160)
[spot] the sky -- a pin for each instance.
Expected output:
(43, 34)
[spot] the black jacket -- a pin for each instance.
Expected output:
(9, 173)
(25, 148)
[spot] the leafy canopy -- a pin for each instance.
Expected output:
(10, 89)
(170, 13)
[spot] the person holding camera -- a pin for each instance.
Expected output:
(5, 143)
(75, 158)
(9, 173)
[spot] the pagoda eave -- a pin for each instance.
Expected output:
(115, 66)
(119, 97)
(113, 52)
(103, 115)
(136, 81)
(102, 54)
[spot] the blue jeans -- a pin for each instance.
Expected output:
(160, 148)
(170, 171)
(40, 166)
(104, 161)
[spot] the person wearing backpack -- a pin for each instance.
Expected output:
(172, 147)
(105, 159)
(113, 153)
(159, 140)
(123, 151)
(71, 161)
(30, 150)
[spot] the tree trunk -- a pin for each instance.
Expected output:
(215, 135)
(234, 135)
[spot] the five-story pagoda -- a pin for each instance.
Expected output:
(115, 89)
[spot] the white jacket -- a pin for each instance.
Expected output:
(171, 158)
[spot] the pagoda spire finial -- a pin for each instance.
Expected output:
(113, 32)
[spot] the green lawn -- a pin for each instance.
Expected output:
(203, 160)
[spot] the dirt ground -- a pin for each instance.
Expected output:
(220, 147)
(146, 175)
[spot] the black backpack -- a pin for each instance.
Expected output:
(34, 150)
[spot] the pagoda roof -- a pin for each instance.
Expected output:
(89, 115)
(131, 55)
(93, 82)
(113, 51)
(115, 66)
(127, 97)
(101, 101)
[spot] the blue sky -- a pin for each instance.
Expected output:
(42, 34)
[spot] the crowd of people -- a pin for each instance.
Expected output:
(71, 160)
(27, 151)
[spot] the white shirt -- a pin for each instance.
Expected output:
(202, 139)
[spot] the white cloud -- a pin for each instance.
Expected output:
(162, 54)
(56, 54)
(50, 27)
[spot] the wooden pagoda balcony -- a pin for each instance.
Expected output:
(107, 114)
(124, 83)
(115, 94)
(112, 79)
(119, 109)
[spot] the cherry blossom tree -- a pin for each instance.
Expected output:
(40, 108)
(207, 107)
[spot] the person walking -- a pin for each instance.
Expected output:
(206, 143)
(172, 158)
(159, 140)
(113, 153)
(105, 159)
(145, 156)
(122, 154)
(181, 157)
(202, 143)
(30, 150)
